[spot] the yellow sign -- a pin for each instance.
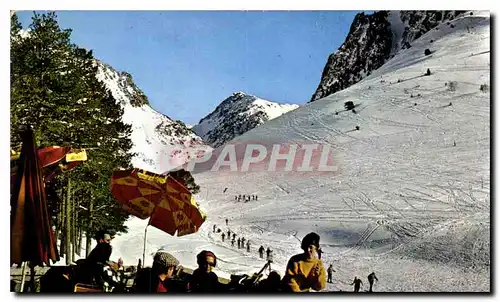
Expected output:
(76, 156)
(160, 179)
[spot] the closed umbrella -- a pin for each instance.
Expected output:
(32, 237)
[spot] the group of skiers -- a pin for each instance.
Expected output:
(269, 253)
(357, 282)
(241, 242)
(245, 197)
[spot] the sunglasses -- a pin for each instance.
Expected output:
(210, 263)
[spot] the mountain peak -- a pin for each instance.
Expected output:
(236, 115)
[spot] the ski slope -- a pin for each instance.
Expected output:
(406, 203)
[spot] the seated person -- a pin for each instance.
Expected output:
(157, 279)
(203, 278)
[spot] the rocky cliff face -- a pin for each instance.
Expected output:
(156, 137)
(371, 41)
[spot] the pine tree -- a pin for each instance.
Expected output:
(54, 89)
(185, 178)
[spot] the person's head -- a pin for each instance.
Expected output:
(331, 265)
(164, 264)
(102, 236)
(106, 238)
(206, 261)
(310, 244)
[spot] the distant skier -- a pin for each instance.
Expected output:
(219, 230)
(239, 243)
(269, 253)
(235, 197)
(256, 197)
(371, 280)
(357, 283)
(228, 234)
(319, 253)
(234, 236)
(223, 235)
(215, 227)
(242, 242)
(261, 251)
(248, 246)
(227, 221)
(330, 272)
(225, 190)
(232, 242)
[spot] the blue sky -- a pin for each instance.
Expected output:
(187, 62)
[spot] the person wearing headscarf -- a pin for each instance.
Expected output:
(305, 271)
(203, 278)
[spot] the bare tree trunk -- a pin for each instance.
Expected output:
(89, 233)
(62, 238)
(79, 245)
(68, 224)
(73, 232)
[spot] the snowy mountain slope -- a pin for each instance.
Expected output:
(371, 41)
(153, 134)
(236, 115)
(411, 199)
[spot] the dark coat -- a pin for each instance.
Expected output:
(146, 281)
(202, 281)
(100, 253)
(92, 267)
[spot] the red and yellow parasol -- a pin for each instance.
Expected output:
(167, 203)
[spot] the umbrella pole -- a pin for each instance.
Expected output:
(23, 277)
(32, 278)
(144, 250)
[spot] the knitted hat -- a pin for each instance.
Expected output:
(165, 260)
(310, 239)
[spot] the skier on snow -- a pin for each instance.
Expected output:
(320, 251)
(357, 284)
(261, 251)
(371, 280)
(330, 271)
(269, 253)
